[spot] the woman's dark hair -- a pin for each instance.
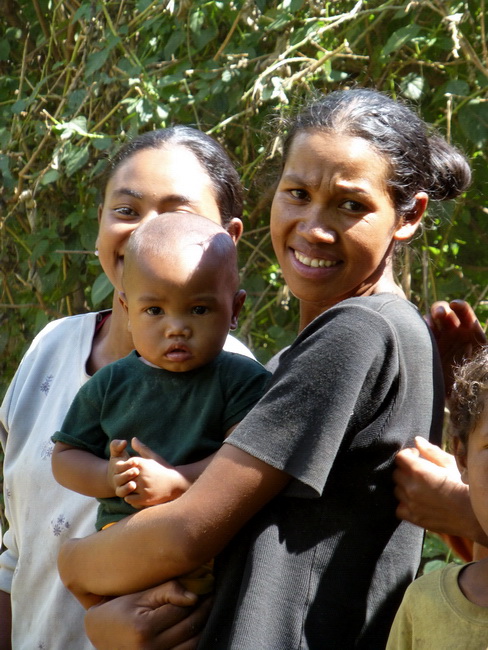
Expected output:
(209, 153)
(419, 161)
(468, 396)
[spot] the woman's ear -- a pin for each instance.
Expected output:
(235, 229)
(409, 223)
(461, 455)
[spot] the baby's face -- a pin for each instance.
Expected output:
(473, 464)
(180, 311)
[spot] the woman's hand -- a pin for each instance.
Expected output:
(162, 617)
(431, 494)
(458, 333)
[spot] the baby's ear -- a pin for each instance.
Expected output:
(123, 302)
(461, 454)
(239, 298)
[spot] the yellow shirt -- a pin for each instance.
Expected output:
(435, 615)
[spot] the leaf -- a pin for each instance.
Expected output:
(174, 42)
(457, 87)
(101, 289)
(19, 106)
(95, 61)
(76, 126)
(84, 11)
(473, 119)
(50, 177)
(76, 158)
(400, 38)
(4, 49)
(434, 565)
(413, 86)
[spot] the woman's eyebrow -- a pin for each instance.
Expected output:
(126, 191)
(169, 198)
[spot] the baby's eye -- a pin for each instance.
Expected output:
(301, 195)
(199, 310)
(154, 311)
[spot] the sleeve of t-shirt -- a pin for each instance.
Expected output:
(244, 382)
(81, 426)
(401, 633)
(326, 389)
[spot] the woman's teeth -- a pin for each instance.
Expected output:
(313, 262)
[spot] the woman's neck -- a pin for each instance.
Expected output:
(310, 311)
(112, 342)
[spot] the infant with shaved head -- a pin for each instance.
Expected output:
(143, 428)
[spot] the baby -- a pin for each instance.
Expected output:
(178, 394)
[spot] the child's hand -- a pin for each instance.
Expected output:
(156, 482)
(122, 470)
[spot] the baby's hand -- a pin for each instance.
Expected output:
(156, 482)
(122, 470)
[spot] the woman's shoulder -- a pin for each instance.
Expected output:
(66, 329)
(386, 304)
(64, 339)
(385, 311)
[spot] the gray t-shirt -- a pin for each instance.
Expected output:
(325, 563)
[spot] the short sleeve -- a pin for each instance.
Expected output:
(81, 427)
(245, 382)
(324, 394)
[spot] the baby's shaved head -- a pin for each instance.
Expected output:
(177, 235)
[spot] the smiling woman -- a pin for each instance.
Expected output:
(311, 549)
(329, 184)
(178, 169)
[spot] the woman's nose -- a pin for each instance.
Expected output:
(317, 228)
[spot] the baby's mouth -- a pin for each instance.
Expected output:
(177, 353)
(314, 262)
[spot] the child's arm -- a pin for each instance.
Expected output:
(158, 481)
(83, 472)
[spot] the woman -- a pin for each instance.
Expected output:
(314, 555)
(178, 170)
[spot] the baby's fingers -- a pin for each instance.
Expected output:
(118, 449)
(124, 490)
(124, 477)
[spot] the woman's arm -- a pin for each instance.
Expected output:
(168, 540)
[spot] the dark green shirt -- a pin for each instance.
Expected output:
(183, 416)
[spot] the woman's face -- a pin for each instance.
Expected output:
(148, 183)
(333, 223)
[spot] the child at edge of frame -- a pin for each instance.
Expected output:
(448, 608)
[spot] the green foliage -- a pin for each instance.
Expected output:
(436, 554)
(79, 77)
